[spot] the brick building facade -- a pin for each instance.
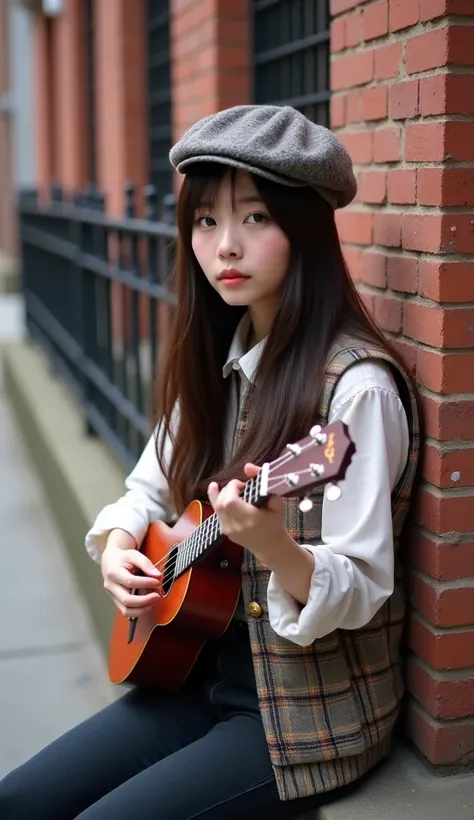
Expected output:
(117, 82)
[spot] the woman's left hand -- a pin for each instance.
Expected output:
(257, 529)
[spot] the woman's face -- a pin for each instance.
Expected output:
(243, 253)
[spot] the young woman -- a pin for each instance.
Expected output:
(296, 703)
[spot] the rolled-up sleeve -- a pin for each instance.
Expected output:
(146, 499)
(354, 564)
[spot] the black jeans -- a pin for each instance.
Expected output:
(198, 753)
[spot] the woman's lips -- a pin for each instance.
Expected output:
(232, 277)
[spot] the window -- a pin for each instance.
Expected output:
(159, 95)
(90, 90)
(291, 55)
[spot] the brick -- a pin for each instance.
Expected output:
(353, 29)
(440, 649)
(424, 323)
(339, 6)
(373, 267)
(388, 313)
(372, 187)
(387, 61)
(338, 110)
(443, 561)
(338, 34)
(457, 233)
(408, 351)
(352, 70)
(425, 142)
(446, 186)
(232, 31)
(439, 327)
(401, 187)
(459, 145)
(429, 50)
(447, 94)
(388, 229)
(359, 144)
(404, 13)
(422, 232)
(404, 100)
(447, 281)
(375, 20)
(387, 145)
(354, 107)
(448, 46)
(433, 142)
(355, 227)
(447, 419)
(446, 373)
(444, 697)
(375, 103)
(352, 257)
(402, 273)
(440, 605)
(458, 328)
(441, 743)
(432, 9)
(449, 468)
(367, 299)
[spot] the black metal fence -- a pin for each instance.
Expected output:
(98, 298)
(291, 55)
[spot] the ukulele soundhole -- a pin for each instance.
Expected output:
(169, 572)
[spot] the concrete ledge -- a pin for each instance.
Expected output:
(80, 476)
(79, 473)
(404, 788)
(9, 274)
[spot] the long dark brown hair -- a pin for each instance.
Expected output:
(319, 301)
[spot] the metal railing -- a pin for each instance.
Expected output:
(98, 298)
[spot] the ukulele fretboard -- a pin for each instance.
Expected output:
(208, 533)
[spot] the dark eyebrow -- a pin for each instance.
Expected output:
(247, 200)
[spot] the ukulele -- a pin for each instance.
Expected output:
(202, 568)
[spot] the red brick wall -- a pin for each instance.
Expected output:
(210, 50)
(403, 103)
(71, 158)
(121, 97)
(121, 88)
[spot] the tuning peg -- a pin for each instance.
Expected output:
(305, 504)
(317, 435)
(333, 492)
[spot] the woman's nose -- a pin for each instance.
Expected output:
(229, 245)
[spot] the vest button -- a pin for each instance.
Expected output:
(255, 610)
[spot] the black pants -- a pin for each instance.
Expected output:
(151, 756)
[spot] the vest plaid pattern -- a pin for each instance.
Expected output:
(329, 709)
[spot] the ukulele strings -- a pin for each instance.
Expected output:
(277, 464)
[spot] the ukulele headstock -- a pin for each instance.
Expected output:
(321, 458)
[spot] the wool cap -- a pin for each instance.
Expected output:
(275, 142)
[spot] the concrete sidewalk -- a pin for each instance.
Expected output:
(52, 672)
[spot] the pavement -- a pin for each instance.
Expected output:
(52, 671)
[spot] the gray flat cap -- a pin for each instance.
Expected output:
(276, 142)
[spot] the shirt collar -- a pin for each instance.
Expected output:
(247, 360)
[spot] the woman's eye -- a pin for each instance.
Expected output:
(206, 221)
(257, 219)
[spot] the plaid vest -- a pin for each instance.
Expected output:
(329, 709)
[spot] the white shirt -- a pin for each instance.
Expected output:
(354, 566)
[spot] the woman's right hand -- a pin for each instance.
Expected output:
(120, 559)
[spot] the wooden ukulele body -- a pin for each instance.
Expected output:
(199, 605)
